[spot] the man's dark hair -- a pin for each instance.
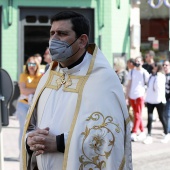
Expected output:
(131, 60)
(80, 23)
(150, 52)
(159, 67)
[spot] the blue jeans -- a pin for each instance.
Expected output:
(167, 114)
(21, 112)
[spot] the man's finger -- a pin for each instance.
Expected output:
(38, 132)
(37, 147)
(39, 152)
(31, 141)
(38, 139)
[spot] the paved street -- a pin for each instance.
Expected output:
(10, 143)
(153, 157)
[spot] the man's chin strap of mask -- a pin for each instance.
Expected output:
(73, 42)
(74, 53)
(71, 45)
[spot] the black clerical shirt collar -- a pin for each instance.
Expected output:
(77, 62)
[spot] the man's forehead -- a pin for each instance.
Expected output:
(65, 25)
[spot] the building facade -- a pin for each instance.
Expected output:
(154, 19)
(25, 27)
(150, 28)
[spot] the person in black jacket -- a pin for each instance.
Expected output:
(149, 61)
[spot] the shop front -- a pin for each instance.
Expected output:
(154, 19)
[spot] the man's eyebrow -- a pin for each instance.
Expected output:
(63, 30)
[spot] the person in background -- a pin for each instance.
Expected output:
(149, 61)
(148, 65)
(137, 78)
(155, 97)
(39, 57)
(120, 69)
(28, 82)
(47, 59)
(78, 119)
(130, 64)
(166, 66)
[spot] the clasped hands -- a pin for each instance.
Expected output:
(40, 141)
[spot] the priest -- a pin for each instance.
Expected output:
(78, 118)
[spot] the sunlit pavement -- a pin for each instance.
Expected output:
(10, 135)
(155, 156)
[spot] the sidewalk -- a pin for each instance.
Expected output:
(10, 135)
(155, 156)
(143, 155)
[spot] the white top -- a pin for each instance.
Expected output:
(156, 89)
(138, 80)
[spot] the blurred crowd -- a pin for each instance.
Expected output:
(146, 83)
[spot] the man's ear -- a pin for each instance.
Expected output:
(83, 40)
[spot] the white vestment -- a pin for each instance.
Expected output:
(88, 103)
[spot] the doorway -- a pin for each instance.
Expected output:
(36, 40)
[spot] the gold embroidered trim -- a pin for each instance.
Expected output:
(71, 84)
(30, 111)
(101, 147)
(55, 80)
(127, 120)
(122, 164)
(80, 80)
(78, 108)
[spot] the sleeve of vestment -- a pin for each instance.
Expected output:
(60, 143)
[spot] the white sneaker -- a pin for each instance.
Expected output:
(166, 138)
(141, 136)
(133, 137)
(148, 140)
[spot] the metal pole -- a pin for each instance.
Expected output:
(1, 137)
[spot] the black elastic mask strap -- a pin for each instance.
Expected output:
(73, 41)
(74, 53)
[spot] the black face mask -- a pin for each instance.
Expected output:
(136, 64)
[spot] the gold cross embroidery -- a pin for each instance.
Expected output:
(61, 81)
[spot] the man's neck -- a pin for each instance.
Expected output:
(73, 64)
(77, 62)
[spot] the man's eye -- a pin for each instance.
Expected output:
(51, 34)
(62, 33)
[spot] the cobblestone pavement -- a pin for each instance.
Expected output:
(155, 156)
